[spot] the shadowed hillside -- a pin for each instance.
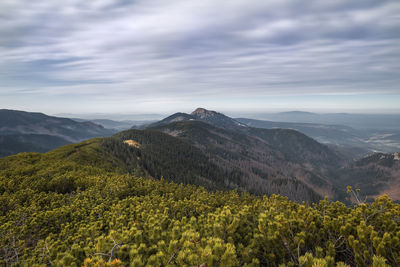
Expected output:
(22, 131)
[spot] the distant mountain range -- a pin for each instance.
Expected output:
(112, 116)
(356, 141)
(356, 121)
(116, 125)
(323, 133)
(22, 131)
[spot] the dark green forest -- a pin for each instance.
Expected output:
(251, 163)
(83, 205)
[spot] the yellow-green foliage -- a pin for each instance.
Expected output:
(73, 209)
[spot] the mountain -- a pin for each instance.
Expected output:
(260, 155)
(200, 114)
(21, 122)
(37, 132)
(295, 145)
(264, 155)
(216, 118)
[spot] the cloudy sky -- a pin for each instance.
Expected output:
(160, 56)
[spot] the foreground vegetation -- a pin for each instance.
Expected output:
(77, 206)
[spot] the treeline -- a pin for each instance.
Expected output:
(110, 218)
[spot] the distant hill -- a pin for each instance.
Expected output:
(374, 175)
(336, 135)
(297, 113)
(37, 132)
(358, 141)
(116, 125)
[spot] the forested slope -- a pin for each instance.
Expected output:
(375, 174)
(264, 163)
(78, 206)
(161, 155)
(208, 159)
(16, 143)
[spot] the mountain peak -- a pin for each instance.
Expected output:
(199, 110)
(202, 112)
(215, 118)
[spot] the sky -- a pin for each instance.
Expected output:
(159, 56)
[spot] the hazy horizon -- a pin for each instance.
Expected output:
(120, 116)
(233, 114)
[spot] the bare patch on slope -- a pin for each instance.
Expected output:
(132, 143)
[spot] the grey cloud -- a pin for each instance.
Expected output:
(199, 48)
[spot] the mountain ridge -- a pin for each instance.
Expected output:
(30, 130)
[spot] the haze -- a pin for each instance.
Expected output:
(117, 56)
